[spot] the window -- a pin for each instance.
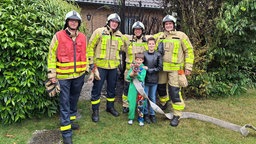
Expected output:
(128, 24)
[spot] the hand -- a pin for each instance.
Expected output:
(53, 80)
(145, 67)
(133, 74)
(187, 72)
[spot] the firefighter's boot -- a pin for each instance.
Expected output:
(95, 116)
(74, 126)
(67, 140)
(112, 111)
(175, 121)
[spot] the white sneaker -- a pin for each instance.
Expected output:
(130, 122)
(141, 123)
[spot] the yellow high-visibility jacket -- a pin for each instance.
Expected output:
(104, 46)
(178, 50)
(133, 45)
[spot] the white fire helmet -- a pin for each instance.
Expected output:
(138, 24)
(73, 15)
(169, 18)
(114, 17)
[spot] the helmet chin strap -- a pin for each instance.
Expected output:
(138, 37)
(71, 32)
(112, 30)
(71, 28)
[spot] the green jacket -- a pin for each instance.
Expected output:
(132, 93)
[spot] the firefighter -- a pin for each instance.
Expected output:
(103, 52)
(135, 43)
(178, 56)
(67, 65)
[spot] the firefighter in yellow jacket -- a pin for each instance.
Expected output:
(103, 52)
(67, 65)
(178, 60)
(134, 44)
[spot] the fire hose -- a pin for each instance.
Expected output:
(241, 129)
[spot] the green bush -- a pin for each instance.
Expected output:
(223, 34)
(232, 59)
(26, 29)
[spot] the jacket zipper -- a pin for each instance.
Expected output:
(110, 49)
(74, 44)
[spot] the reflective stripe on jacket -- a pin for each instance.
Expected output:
(178, 50)
(104, 47)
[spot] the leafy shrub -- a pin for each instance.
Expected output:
(223, 34)
(26, 29)
(232, 59)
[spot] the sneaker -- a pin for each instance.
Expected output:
(146, 118)
(141, 123)
(125, 109)
(130, 122)
(153, 118)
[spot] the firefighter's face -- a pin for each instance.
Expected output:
(113, 24)
(169, 26)
(137, 31)
(73, 24)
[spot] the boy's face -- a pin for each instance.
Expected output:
(151, 45)
(139, 61)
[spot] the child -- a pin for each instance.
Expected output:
(136, 71)
(153, 64)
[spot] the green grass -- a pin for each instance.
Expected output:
(238, 110)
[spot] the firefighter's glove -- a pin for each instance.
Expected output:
(96, 74)
(91, 78)
(52, 88)
(183, 82)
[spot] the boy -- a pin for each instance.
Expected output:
(136, 71)
(153, 64)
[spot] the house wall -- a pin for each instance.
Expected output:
(99, 16)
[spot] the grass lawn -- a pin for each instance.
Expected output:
(238, 110)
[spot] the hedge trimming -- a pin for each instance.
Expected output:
(26, 29)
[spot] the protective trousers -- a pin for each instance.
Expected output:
(125, 94)
(125, 91)
(69, 95)
(171, 80)
(110, 75)
(162, 88)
